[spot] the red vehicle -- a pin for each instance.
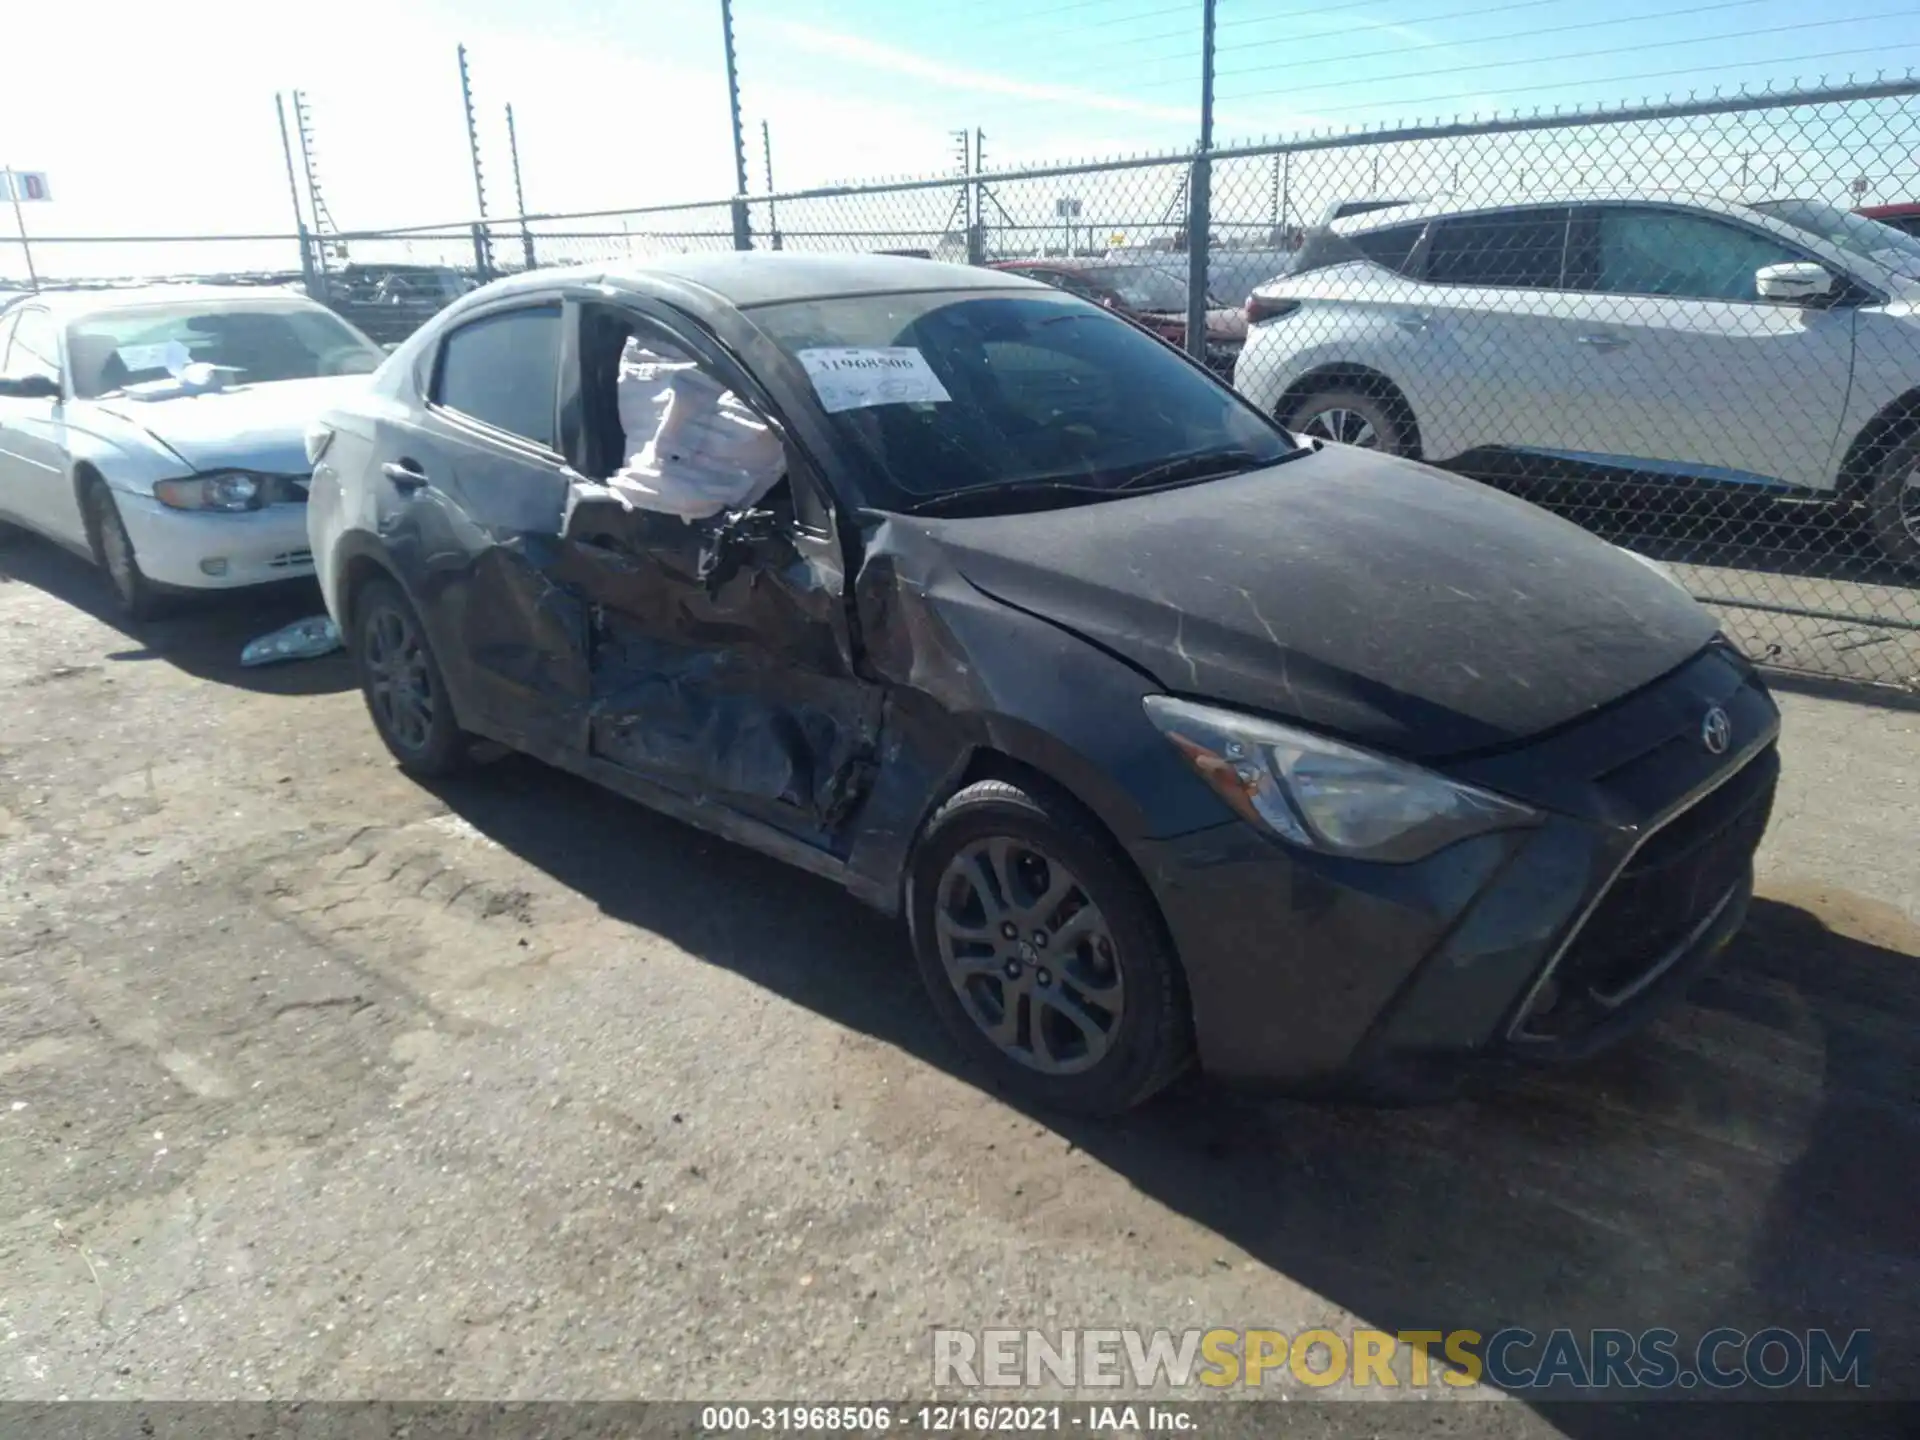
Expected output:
(1152, 296)
(1904, 216)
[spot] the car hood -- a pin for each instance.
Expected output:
(1372, 597)
(251, 427)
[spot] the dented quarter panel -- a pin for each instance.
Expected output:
(967, 674)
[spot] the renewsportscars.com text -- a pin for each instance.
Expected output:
(1512, 1359)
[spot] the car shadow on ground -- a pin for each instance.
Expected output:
(201, 634)
(1752, 1161)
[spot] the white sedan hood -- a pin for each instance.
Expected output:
(249, 427)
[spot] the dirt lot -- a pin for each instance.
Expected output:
(314, 1082)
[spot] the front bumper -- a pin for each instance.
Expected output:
(209, 550)
(1314, 973)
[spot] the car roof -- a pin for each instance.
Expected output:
(72, 304)
(1081, 263)
(757, 277)
(1882, 212)
(1544, 199)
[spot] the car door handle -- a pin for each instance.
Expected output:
(406, 475)
(1602, 342)
(1414, 321)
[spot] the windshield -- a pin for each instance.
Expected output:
(991, 389)
(1855, 234)
(252, 341)
(1142, 287)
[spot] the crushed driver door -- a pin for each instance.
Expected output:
(719, 652)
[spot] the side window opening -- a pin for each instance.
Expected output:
(501, 370)
(1518, 248)
(1391, 248)
(1640, 251)
(665, 441)
(36, 347)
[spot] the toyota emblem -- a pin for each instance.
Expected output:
(1716, 731)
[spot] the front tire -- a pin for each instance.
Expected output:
(1043, 953)
(1893, 503)
(401, 682)
(1350, 417)
(134, 597)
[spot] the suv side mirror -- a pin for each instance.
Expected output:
(30, 387)
(1795, 280)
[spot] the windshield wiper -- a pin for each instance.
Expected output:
(962, 500)
(1202, 465)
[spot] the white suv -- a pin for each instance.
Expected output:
(1775, 342)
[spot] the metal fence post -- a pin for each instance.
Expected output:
(482, 252)
(742, 219)
(1200, 198)
(312, 277)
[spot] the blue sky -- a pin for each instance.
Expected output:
(622, 102)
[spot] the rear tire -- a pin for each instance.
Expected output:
(1351, 417)
(134, 597)
(401, 682)
(1893, 503)
(1043, 952)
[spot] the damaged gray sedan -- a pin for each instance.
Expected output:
(1171, 737)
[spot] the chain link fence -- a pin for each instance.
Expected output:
(1665, 322)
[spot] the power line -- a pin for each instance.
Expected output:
(1880, 50)
(1186, 9)
(1592, 54)
(1333, 9)
(1510, 35)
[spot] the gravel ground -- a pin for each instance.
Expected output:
(318, 1083)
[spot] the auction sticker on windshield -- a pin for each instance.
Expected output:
(852, 377)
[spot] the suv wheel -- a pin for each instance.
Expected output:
(1043, 953)
(401, 681)
(1893, 502)
(1349, 417)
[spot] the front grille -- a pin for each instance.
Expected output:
(1665, 895)
(291, 559)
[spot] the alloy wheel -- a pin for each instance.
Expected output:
(399, 684)
(1909, 503)
(1030, 955)
(1347, 427)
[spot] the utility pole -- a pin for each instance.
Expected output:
(1200, 197)
(766, 152)
(482, 240)
(519, 195)
(299, 218)
(742, 222)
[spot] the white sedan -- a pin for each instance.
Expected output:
(159, 431)
(1773, 343)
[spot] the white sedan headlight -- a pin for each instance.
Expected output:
(1326, 796)
(229, 490)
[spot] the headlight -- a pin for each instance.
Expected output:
(1324, 795)
(230, 490)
